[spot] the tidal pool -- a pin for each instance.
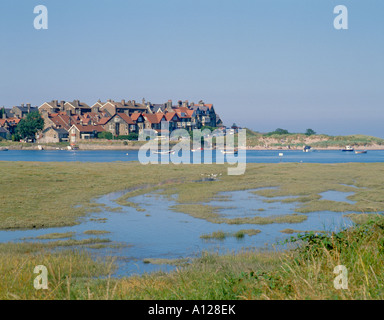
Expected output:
(157, 232)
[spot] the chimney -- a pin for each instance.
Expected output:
(29, 107)
(133, 102)
(123, 102)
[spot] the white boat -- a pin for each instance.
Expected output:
(348, 148)
(3, 149)
(229, 151)
(40, 147)
(164, 152)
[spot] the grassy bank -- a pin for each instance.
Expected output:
(303, 273)
(320, 141)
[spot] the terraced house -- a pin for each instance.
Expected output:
(121, 118)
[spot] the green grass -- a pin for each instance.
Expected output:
(63, 197)
(302, 274)
(221, 235)
(95, 232)
(298, 140)
(56, 235)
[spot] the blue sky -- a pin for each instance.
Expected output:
(264, 64)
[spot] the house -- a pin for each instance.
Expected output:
(95, 108)
(186, 118)
(12, 124)
(52, 107)
(205, 115)
(21, 111)
(139, 121)
(76, 107)
(6, 113)
(4, 124)
(174, 120)
(154, 121)
(4, 133)
(53, 135)
(79, 131)
(119, 125)
(128, 108)
(219, 122)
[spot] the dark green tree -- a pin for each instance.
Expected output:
(30, 125)
(310, 132)
(280, 131)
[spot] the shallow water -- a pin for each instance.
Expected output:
(159, 232)
(252, 156)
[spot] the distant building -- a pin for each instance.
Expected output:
(4, 133)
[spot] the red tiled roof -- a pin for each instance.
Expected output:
(135, 116)
(104, 120)
(170, 115)
(126, 118)
(12, 121)
(154, 118)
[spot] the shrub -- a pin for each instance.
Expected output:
(104, 135)
(131, 136)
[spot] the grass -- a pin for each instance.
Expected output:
(56, 235)
(221, 235)
(298, 140)
(63, 197)
(290, 231)
(95, 232)
(306, 273)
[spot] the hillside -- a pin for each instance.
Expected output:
(319, 141)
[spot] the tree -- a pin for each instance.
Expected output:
(310, 132)
(30, 125)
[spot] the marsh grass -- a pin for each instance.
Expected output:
(63, 197)
(55, 236)
(306, 273)
(297, 274)
(221, 235)
(96, 232)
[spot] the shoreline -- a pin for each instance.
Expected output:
(86, 147)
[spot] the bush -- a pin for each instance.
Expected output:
(131, 136)
(278, 131)
(104, 135)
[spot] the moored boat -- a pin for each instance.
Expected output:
(360, 151)
(348, 148)
(229, 151)
(164, 152)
